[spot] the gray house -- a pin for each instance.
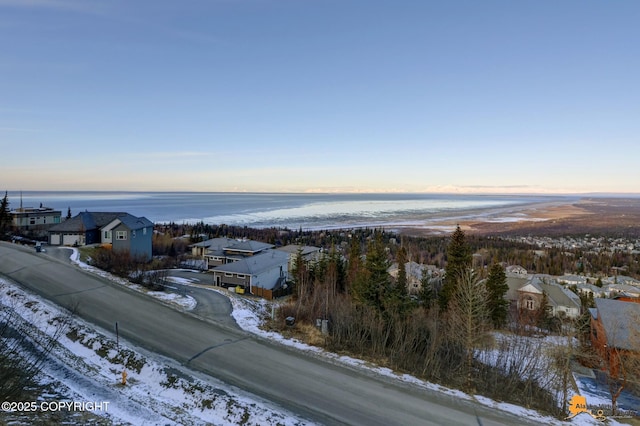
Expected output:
(82, 229)
(561, 302)
(128, 233)
(261, 274)
(220, 251)
(124, 232)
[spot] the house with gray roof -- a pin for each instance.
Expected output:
(515, 270)
(561, 301)
(262, 274)
(220, 251)
(572, 279)
(414, 273)
(591, 289)
(122, 231)
(615, 326)
(38, 219)
(310, 254)
(212, 251)
(612, 290)
(128, 233)
(82, 229)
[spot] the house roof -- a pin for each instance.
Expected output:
(214, 243)
(255, 265)
(557, 295)
(133, 222)
(294, 248)
(560, 296)
(533, 285)
(623, 288)
(249, 246)
(621, 322)
(85, 221)
(515, 283)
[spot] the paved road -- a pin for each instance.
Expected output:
(311, 387)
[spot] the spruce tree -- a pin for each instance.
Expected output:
(426, 290)
(496, 290)
(372, 288)
(401, 258)
(396, 295)
(5, 215)
(458, 263)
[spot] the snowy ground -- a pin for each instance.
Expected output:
(86, 366)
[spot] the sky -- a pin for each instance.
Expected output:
(456, 96)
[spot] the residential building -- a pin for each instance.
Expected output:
(34, 219)
(561, 302)
(120, 231)
(615, 331)
(309, 254)
(220, 251)
(131, 234)
(263, 274)
(82, 229)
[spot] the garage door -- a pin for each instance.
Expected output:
(69, 240)
(55, 239)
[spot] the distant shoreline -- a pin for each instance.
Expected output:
(615, 216)
(410, 214)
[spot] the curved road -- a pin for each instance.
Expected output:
(313, 388)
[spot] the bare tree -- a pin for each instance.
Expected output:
(469, 319)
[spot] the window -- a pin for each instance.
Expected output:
(529, 304)
(121, 235)
(133, 233)
(227, 274)
(241, 276)
(144, 231)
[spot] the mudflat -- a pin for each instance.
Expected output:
(594, 215)
(610, 216)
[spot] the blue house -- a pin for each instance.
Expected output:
(82, 229)
(128, 233)
(123, 231)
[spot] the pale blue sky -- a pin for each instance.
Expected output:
(320, 95)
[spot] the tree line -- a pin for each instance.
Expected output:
(436, 335)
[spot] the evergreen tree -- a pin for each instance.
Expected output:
(396, 294)
(372, 286)
(354, 266)
(544, 319)
(458, 263)
(68, 212)
(338, 268)
(401, 258)
(426, 290)
(496, 290)
(301, 276)
(5, 215)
